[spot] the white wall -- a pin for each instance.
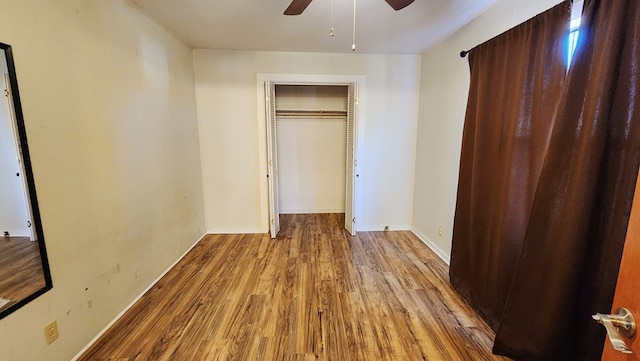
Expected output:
(226, 83)
(443, 99)
(311, 97)
(312, 151)
(13, 210)
(110, 112)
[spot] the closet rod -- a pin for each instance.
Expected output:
(311, 113)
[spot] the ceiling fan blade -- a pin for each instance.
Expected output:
(297, 7)
(399, 4)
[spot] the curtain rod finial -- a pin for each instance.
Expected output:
(464, 53)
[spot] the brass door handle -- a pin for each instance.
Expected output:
(618, 325)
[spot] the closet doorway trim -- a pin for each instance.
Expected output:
(268, 185)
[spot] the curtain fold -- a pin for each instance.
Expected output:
(516, 81)
(547, 175)
(571, 252)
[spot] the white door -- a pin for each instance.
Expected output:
(21, 174)
(352, 163)
(272, 158)
(627, 294)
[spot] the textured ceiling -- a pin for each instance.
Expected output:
(260, 24)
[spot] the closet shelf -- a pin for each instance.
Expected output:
(310, 113)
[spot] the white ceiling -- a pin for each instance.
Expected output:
(260, 24)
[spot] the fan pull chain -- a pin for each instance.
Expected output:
(331, 32)
(353, 46)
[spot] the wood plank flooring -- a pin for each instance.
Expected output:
(314, 293)
(20, 269)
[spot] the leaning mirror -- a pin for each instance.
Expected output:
(24, 270)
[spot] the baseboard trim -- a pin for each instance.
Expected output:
(377, 228)
(236, 231)
(439, 252)
(87, 346)
(310, 211)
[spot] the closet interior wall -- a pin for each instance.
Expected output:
(311, 148)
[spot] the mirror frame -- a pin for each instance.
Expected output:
(28, 173)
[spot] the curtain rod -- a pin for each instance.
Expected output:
(465, 52)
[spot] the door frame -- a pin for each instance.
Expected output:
(305, 79)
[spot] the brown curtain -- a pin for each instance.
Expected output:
(516, 81)
(538, 268)
(571, 252)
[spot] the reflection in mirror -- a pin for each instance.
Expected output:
(24, 270)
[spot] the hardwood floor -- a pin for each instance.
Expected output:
(20, 269)
(314, 293)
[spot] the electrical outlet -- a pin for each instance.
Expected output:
(51, 332)
(440, 231)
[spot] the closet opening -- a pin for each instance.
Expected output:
(311, 150)
(311, 128)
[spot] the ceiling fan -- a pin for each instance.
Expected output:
(297, 6)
